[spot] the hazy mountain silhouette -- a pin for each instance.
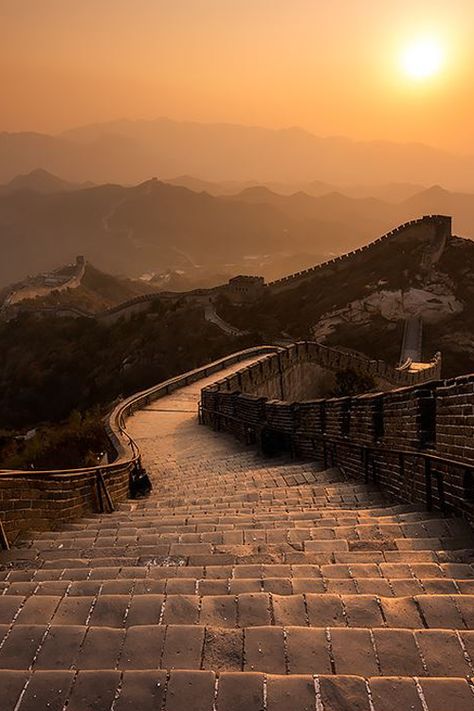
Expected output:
(155, 226)
(130, 151)
(41, 181)
(150, 227)
(333, 206)
(388, 192)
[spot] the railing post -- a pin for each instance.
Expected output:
(99, 493)
(429, 493)
(102, 489)
(4, 544)
(440, 487)
(374, 469)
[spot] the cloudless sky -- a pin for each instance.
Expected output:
(330, 66)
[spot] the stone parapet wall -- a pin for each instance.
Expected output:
(40, 501)
(291, 373)
(417, 442)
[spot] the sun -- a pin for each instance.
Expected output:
(423, 58)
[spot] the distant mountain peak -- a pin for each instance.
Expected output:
(436, 190)
(40, 180)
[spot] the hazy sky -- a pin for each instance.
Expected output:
(330, 66)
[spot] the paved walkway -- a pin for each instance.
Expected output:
(241, 584)
(212, 316)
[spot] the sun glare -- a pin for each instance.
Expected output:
(423, 58)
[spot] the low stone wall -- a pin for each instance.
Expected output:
(416, 442)
(42, 500)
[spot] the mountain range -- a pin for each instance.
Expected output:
(41, 181)
(155, 226)
(127, 152)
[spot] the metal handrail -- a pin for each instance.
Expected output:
(376, 448)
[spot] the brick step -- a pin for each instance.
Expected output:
(226, 483)
(355, 568)
(23, 566)
(306, 503)
(134, 523)
(259, 488)
(272, 649)
(365, 532)
(135, 511)
(243, 610)
(329, 567)
(111, 582)
(183, 689)
(251, 508)
(277, 497)
(137, 523)
(241, 489)
(401, 550)
(328, 528)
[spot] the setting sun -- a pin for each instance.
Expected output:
(423, 58)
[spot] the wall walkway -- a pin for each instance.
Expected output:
(240, 583)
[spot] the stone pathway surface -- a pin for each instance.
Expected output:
(240, 584)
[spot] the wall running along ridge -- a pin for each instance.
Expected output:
(433, 230)
(381, 437)
(44, 499)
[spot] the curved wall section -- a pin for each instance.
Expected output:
(417, 442)
(43, 499)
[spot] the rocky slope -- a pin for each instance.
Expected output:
(363, 307)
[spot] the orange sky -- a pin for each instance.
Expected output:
(330, 66)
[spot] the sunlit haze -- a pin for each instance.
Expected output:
(399, 71)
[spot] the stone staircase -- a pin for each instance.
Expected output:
(240, 584)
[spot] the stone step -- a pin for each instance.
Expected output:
(288, 650)
(133, 524)
(240, 609)
(296, 503)
(110, 583)
(328, 567)
(314, 552)
(302, 540)
(183, 689)
(122, 561)
(438, 530)
(138, 516)
(341, 565)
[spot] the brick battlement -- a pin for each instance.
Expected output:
(435, 230)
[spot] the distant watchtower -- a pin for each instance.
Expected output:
(245, 289)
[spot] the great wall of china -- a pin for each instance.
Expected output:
(299, 372)
(404, 438)
(297, 551)
(434, 230)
